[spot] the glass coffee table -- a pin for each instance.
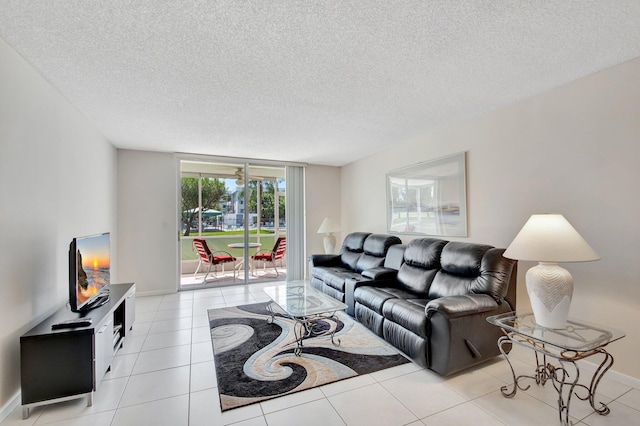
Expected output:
(307, 307)
(577, 340)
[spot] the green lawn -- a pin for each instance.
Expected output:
(219, 240)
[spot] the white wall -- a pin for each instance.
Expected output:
(573, 150)
(323, 198)
(148, 215)
(147, 221)
(57, 181)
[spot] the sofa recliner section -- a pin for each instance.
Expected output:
(435, 310)
(430, 299)
(362, 256)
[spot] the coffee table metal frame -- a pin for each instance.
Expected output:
(307, 307)
(577, 341)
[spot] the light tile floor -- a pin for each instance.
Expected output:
(165, 376)
(263, 272)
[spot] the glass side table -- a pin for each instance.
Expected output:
(307, 307)
(578, 340)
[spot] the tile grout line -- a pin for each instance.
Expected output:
(190, 365)
(128, 377)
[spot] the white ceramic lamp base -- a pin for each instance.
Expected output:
(329, 242)
(550, 288)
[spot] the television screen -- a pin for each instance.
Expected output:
(90, 269)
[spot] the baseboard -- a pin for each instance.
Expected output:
(587, 365)
(9, 406)
(154, 293)
(631, 381)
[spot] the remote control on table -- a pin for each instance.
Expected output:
(72, 323)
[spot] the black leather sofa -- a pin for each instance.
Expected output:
(432, 304)
(360, 252)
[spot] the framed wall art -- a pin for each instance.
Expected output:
(429, 198)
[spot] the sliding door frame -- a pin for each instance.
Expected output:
(297, 256)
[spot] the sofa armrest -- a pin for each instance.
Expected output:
(350, 285)
(380, 273)
(324, 260)
(458, 306)
(459, 334)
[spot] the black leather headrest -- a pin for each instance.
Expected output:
(463, 259)
(355, 241)
(378, 244)
(424, 253)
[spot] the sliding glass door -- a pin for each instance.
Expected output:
(235, 213)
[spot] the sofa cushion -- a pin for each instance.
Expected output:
(349, 259)
(367, 261)
(491, 275)
(424, 253)
(317, 272)
(409, 313)
(466, 270)
(378, 244)
(352, 249)
(338, 295)
(372, 297)
(370, 319)
(375, 249)
(414, 346)
(415, 279)
(336, 277)
(355, 241)
(463, 259)
(421, 262)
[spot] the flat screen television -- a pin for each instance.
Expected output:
(89, 271)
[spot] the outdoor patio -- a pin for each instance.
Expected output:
(226, 277)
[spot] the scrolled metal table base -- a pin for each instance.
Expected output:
(564, 380)
(303, 328)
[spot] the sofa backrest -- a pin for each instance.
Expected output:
(352, 249)
(421, 263)
(395, 257)
(467, 268)
(375, 250)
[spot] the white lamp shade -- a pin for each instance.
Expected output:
(328, 226)
(550, 238)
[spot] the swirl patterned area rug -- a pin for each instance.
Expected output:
(254, 359)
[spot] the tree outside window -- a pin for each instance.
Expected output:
(213, 190)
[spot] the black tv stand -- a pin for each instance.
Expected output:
(66, 363)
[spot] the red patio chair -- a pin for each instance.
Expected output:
(210, 258)
(277, 253)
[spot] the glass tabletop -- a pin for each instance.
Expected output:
(579, 336)
(299, 299)
(241, 245)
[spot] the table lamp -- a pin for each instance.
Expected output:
(329, 226)
(550, 239)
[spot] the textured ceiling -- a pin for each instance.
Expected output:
(324, 82)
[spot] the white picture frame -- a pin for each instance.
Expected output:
(429, 198)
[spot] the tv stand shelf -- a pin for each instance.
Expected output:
(68, 363)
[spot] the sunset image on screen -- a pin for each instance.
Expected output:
(95, 253)
(94, 265)
(92, 261)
